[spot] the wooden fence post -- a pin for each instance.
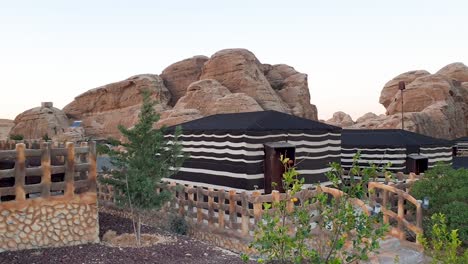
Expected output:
(245, 214)
(70, 169)
(199, 205)
(92, 173)
(257, 207)
(20, 172)
(221, 202)
(210, 207)
(401, 210)
(190, 201)
(232, 209)
(181, 198)
(46, 173)
(384, 205)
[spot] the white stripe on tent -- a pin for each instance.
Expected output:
(223, 173)
(440, 154)
(375, 161)
(255, 146)
(440, 159)
(261, 160)
(436, 148)
(389, 168)
(375, 155)
(318, 171)
(375, 149)
(254, 153)
(255, 137)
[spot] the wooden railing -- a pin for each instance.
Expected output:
(405, 220)
(77, 165)
(237, 214)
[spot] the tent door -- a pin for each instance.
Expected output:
(274, 169)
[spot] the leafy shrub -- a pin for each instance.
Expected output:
(178, 224)
(16, 137)
(285, 235)
(46, 137)
(444, 245)
(447, 190)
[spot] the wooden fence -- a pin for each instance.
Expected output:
(237, 214)
(39, 170)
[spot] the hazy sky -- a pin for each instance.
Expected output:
(55, 50)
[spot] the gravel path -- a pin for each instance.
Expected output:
(185, 250)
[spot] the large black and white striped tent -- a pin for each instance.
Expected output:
(381, 146)
(227, 150)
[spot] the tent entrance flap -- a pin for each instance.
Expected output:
(274, 169)
(416, 163)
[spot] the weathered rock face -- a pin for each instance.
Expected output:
(207, 97)
(102, 109)
(456, 71)
(365, 117)
(5, 127)
(433, 104)
(391, 88)
(340, 119)
(241, 72)
(37, 122)
(230, 81)
(293, 88)
(178, 76)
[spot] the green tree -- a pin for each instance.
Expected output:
(147, 158)
(347, 234)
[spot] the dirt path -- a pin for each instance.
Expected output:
(184, 250)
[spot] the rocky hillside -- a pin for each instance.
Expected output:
(433, 104)
(5, 127)
(230, 81)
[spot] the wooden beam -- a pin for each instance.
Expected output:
(70, 170)
(20, 172)
(46, 170)
(92, 173)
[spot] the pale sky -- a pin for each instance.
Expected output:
(56, 50)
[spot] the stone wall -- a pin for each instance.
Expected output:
(50, 205)
(53, 222)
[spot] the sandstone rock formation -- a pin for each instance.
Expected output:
(365, 117)
(5, 127)
(102, 109)
(340, 119)
(241, 72)
(433, 104)
(207, 97)
(40, 121)
(230, 81)
(178, 76)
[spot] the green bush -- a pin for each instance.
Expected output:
(447, 190)
(16, 137)
(444, 245)
(178, 225)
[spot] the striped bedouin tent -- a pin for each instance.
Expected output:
(461, 146)
(228, 151)
(383, 146)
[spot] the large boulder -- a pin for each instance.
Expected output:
(293, 88)
(365, 117)
(340, 119)
(38, 122)
(241, 72)
(433, 104)
(207, 97)
(390, 89)
(103, 109)
(5, 127)
(178, 76)
(456, 71)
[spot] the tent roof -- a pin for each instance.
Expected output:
(387, 138)
(254, 121)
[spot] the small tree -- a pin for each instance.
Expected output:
(286, 233)
(148, 157)
(16, 137)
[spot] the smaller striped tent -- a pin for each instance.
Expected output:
(383, 146)
(461, 145)
(227, 150)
